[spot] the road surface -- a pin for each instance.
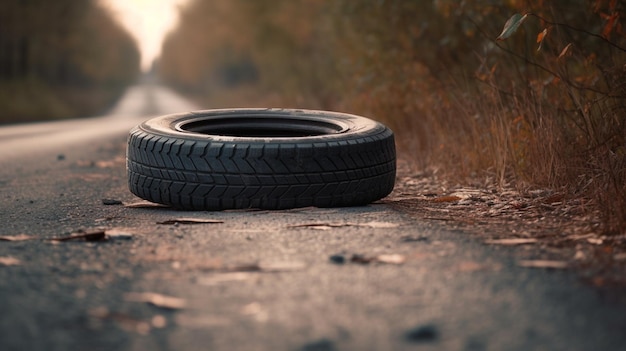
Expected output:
(363, 278)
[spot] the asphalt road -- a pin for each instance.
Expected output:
(260, 280)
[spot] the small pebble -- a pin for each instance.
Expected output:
(425, 333)
(111, 202)
(338, 259)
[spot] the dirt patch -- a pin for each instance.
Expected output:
(548, 228)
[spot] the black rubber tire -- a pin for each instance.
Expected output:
(261, 158)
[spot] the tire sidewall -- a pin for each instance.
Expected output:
(353, 126)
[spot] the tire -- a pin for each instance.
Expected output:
(261, 158)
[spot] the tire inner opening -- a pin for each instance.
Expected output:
(261, 127)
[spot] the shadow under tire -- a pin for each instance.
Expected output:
(260, 158)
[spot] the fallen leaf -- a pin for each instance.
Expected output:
(157, 300)
(190, 221)
(512, 241)
(391, 259)
(119, 234)
(595, 241)
(375, 224)
(319, 226)
(328, 226)
(9, 261)
(579, 255)
(19, 237)
(265, 267)
(216, 279)
(363, 259)
(144, 204)
(97, 235)
(411, 239)
(451, 198)
(543, 264)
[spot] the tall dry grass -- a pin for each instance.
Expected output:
(520, 112)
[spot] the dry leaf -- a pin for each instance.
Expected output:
(375, 224)
(543, 264)
(216, 279)
(512, 241)
(595, 241)
(542, 35)
(158, 300)
(97, 235)
(119, 234)
(19, 237)
(328, 226)
(9, 261)
(191, 221)
(391, 259)
(579, 255)
(144, 204)
(565, 51)
(265, 267)
(451, 198)
(363, 259)
(319, 226)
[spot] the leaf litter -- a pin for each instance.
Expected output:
(189, 220)
(18, 237)
(329, 225)
(144, 204)
(9, 261)
(561, 227)
(96, 235)
(512, 241)
(365, 259)
(157, 300)
(549, 264)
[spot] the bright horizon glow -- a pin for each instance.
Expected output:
(148, 21)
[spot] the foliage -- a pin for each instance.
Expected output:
(62, 58)
(524, 91)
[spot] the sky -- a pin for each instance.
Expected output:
(148, 21)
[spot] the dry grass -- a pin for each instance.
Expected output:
(473, 109)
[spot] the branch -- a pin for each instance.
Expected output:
(579, 30)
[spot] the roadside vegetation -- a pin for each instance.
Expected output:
(538, 102)
(61, 59)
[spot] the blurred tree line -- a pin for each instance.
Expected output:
(542, 106)
(61, 59)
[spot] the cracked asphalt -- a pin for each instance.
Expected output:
(362, 278)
